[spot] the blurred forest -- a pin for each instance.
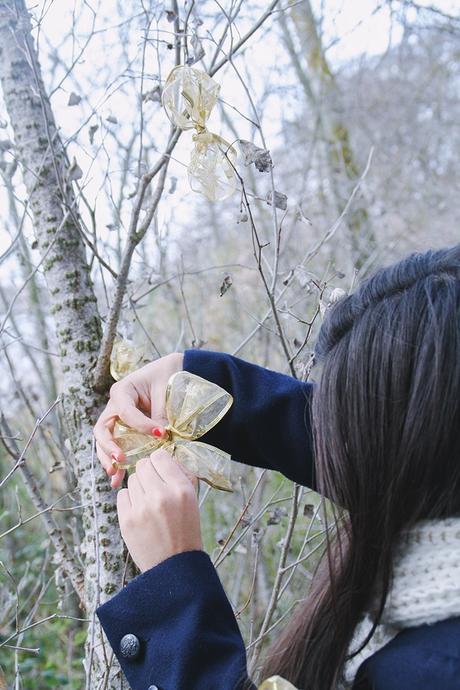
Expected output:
(101, 236)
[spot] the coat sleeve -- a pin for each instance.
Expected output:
(268, 424)
(187, 635)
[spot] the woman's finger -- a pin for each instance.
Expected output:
(123, 504)
(125, 400)
(117, 479)
(158, 403)
(107, 463)
(171, 471)
(103, 433)
(105, 460)
(136, 492)
(147, 475)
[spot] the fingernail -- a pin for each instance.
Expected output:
(157, 432)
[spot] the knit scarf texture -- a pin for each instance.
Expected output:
(425, 588)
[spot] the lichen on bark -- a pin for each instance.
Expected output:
(54, 208)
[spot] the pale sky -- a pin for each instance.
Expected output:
(354, 23)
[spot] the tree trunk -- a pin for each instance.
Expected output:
(96, 569)
(323, 94)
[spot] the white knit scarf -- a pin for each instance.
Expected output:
(425, 588)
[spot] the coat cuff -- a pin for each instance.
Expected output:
(208, 364)
(187, 632)
(265, 400)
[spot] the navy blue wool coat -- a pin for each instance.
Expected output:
(173, 627)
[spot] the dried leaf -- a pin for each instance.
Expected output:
(92, 131)
(198, 50)
(112, 119)
(154, 95)
(254, 154)
(198, 342)
(243, 218)
(171, 16)
(246, 520)
(172, 185)
(280, 200)
(74, 99)
(226, 285)
(336, 294)
(276, 515)
(256, 535)
(302, 218)
(309, 510)
(75, 172)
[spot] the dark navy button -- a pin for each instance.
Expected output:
(130, 646)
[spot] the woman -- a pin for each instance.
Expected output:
(384, 609)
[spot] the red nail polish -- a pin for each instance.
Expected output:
(157, 432)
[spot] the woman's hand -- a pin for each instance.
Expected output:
(139, 401)
(158, 512)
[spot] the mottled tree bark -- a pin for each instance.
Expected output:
(97, 569)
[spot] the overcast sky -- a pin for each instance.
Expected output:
(352, 27)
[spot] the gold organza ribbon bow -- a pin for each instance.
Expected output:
(193, 407)
(188, 97)
(276, 683)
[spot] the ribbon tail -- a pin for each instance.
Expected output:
(207, 463)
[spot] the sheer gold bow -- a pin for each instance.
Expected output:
(276, 683)
(193, 407)
(188, 97)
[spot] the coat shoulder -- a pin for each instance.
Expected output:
(417, 658)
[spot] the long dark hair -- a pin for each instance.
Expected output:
(386, 426)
